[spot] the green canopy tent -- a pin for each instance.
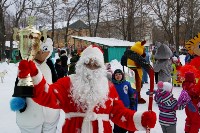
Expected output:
(113, 48)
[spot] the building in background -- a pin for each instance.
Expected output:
(78, 28)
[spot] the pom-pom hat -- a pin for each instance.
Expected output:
(165, 86)
(160, 85)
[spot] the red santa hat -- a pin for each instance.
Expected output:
(92, 52)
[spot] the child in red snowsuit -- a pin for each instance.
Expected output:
(192, 123)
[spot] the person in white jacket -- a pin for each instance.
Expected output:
(37, 118)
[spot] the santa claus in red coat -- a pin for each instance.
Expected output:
(88, 99)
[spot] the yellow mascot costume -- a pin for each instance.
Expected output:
(138, 47)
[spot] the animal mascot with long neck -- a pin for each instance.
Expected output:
(136, 62)
(190, 73)
(34, 118)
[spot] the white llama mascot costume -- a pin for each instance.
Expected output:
(37, 118)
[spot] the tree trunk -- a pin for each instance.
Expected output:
(123, 28)
(177, 25)
(98, 15)
(66, 33)
(88, 17)
(2, 34)
(129, 27)
(53, 15)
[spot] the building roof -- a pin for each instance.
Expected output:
(111, 42)
(78, 25)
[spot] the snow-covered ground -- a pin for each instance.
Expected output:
(8, 118)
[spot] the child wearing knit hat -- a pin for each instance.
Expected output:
(168, 105)
(127, 94)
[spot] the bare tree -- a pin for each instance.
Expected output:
(179, 5)
(126, 12)
(93, 9)
(119, 15)
(191, 13)
(69, 11)
(3, 7)
(52, 14)
(163, 9)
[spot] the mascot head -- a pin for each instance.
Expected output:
(46, 49)
(193, 45)
(138, 47)
(163, 52)
(47, 46)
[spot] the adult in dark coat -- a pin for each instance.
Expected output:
(73, 60)
(64, 59)
(59, 69)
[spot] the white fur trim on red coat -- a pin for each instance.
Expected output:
(37, 78)
(137, 119)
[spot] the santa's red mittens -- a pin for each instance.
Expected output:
(33, 69)
(149, 119)
(23, 69)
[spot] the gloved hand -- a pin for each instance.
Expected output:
(148, 92)
(149, 119)
(23, 69)
(33, 68)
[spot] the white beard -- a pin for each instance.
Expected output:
(89, 88)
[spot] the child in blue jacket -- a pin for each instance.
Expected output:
(126, 93)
